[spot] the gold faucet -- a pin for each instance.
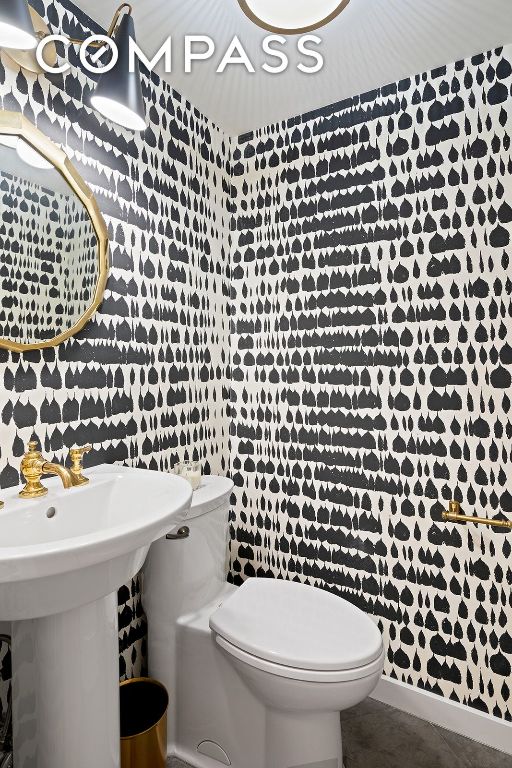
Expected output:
(33, 466)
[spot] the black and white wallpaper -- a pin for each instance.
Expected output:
(322, 308)
(146, 381)
(371, 366)
(48, 260)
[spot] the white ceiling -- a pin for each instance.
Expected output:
(371, 43)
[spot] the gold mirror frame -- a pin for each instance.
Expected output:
(14, 123)
(244, 5)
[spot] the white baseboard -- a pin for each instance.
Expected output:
(466, 721)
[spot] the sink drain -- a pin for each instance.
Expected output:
(50, 512)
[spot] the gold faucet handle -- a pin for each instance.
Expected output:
(76, 456)
(31, 468)
(33, 451)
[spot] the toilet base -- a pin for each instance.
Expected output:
(199, 761)
(303, 740)
(291, 741)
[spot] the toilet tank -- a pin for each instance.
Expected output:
(183, 575)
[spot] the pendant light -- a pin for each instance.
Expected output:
(292, 17)
(16, 30)
(118, 94)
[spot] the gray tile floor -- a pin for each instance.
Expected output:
(378, 736)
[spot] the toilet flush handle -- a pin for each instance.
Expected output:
(181, 533)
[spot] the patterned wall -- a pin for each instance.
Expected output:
(371, 366)
(48, 260)
(370, 348)
(145, 380)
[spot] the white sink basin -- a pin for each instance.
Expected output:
(62, 559)
(75, 545)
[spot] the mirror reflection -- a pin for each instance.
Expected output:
(49, 266)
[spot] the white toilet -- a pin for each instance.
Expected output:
(256, 674)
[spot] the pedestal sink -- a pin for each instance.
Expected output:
(62, 559)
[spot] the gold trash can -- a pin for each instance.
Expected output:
(143, 707)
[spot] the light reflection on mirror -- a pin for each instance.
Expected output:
(31, 156)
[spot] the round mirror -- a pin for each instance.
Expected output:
(53, 241)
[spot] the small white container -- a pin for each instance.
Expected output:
(191, 471)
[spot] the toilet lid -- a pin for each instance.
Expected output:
(297, 626)
(213, 491)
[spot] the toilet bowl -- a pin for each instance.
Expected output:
(257, 674)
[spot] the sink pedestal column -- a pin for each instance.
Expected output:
(66, 688)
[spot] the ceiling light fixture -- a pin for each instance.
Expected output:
(118, 93)
(292, 17)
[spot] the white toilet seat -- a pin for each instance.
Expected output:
(284, 625)
(306, 675)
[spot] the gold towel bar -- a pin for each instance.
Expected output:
(454, 515)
